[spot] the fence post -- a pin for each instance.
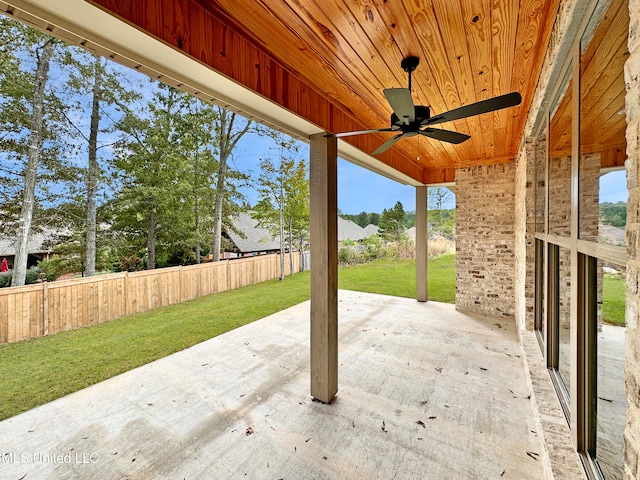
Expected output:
(228, 274)
(45, 308)
(126, 293)
(180, 283)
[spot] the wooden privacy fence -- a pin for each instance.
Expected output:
(46, 308)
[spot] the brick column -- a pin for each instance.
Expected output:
(485, 239)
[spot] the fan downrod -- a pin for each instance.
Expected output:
(409, 64)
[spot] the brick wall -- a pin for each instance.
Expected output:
(485, 239)
(632, 370)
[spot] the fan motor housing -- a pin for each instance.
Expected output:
(422, 114)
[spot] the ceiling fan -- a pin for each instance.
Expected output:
(411, 120)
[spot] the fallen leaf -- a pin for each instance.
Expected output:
(324, 458)
(421, 423)
(533, 455)
(439, 369)
(249, 431)
(482, 368)
(383, 427)
(307, 440)
(503, 472)
(433, 417)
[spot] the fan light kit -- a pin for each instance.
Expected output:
(411, 120)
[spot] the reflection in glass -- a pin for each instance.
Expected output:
(564, 319)
(540, 181)
(611, 396)
(604, 50)
(613, 208)
(560, 163)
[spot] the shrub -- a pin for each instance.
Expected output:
(52, 269)
(5, 279)
(132, 263)
(349, 255)
(33, 276)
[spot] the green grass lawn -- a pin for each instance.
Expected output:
(613, 299)
(40, 370)
(398, 278)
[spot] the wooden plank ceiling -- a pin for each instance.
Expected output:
(329, 61)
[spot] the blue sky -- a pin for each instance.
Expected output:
(613, 187)
(359, 190)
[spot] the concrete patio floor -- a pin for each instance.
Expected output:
(426, 392)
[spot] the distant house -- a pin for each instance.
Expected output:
(39, 248)
(249, 239)
(352, 231)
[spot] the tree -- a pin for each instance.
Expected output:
(297, 212)
(152, 199)
(391, 222)
(284, 197)
(91, 74)
(227, 135)
(198, 147)
(25, 121)
(362, 219)
(437, 197)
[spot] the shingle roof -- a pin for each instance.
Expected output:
(350, 230)
(371, 229)
(257, 239)
(36, 244)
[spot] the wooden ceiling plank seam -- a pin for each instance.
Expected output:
(439, 175)
(615, 122)
(504, 30)
(382, 49)
(361, 69)
(613, 157)
(610, 101)
(428, 34)
(425, 89)
(477, 19)
(452, 31)
(603, 30)
(601, 73)
(528, 48)
(390, 16)
(313, 70)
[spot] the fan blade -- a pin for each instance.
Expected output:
(401, 103)
(361, 132)
(503, 101)
(445, 135)
(386, 145)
